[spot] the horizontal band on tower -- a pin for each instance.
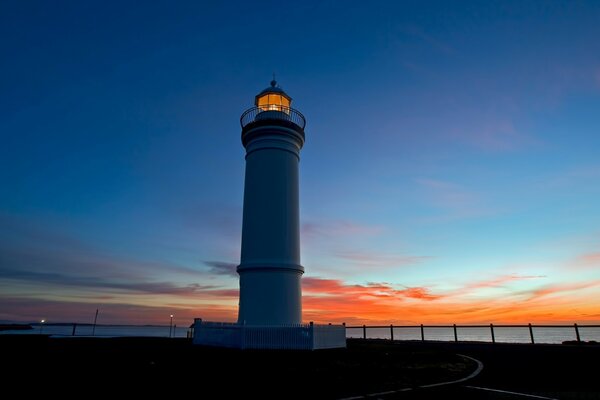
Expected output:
(273, 142)
(271, 267)
(255, 131)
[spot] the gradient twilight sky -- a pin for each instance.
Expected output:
(451, 171)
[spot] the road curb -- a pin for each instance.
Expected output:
(470, 376)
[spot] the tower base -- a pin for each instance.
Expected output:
(283, 337)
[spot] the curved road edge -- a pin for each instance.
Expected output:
(470, 376)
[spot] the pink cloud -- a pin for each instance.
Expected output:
(220, 294)
(550, 290)
(588, 260)
(448, 194)
(32, 310)
(489, 127)
(499, 281)
(339, 228)
(336, 287)
(344, 240)
(456, 201)
(379, 259)
(496, 135)
(578, 178)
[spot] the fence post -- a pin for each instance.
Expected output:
(75, 327)
(531, 334)
(422, 333)
(577, 333)
(392, 332)
(243, 345)
(364, 331)
(492, 331)
(455, 334)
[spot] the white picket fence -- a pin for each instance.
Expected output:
(283, 337)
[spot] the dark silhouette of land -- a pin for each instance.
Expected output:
(558, 371)
(121, 366)
(15, 327)
(151, 364)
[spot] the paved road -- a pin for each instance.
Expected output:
(520, 371)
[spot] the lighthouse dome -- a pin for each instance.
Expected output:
(273, 98)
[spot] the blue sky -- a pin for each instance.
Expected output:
(452, 151)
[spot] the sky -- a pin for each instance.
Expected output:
(451, 170)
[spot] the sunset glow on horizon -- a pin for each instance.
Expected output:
(451, 171)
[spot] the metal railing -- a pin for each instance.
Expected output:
(493, 330)
(272, 112)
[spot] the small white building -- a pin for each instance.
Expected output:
(270, 307)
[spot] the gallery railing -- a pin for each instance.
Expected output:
(272, 112)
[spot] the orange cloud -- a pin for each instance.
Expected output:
(334, 287)
(333, 300)
(419, 293)
(330, 300)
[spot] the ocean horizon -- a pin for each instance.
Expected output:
(547, 335)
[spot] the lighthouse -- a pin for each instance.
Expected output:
(270, 304)
(270, 269)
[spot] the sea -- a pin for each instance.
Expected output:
(478, 334)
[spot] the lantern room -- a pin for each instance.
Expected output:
(273, 98)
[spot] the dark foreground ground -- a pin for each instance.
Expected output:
(125, 367)
(519, 371)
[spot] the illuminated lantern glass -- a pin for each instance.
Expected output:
(273, 99)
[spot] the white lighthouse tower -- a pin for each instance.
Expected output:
(270, 306)
(270, 270)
